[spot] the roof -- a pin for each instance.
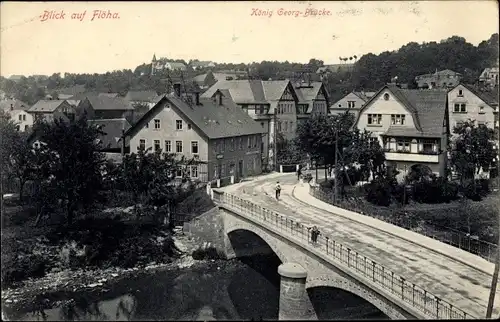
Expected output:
(489, 97)
(309, 93)
(16, 77)
(141, 96)
(365, 96)
(246, 91)
(427, 107)
(439, 73)
(113, 131)
(334, 68)
(201, 63)
(211, 119)
(100, 103)
(16, 104)
(46, 106)
(176, 65)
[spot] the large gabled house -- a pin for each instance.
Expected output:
(313, 99)
(351, 103)
(103, 107)
(18, 112)
(468, 103)
(215, 132)
(277, 106)
(411, 125)
(142, 98)
(48, 110)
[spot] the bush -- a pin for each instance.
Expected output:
(327, 184)
(308, 177)
(477, 189)
(378, 192)
(437, 190)
(17, 268)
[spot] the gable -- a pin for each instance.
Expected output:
(380, 105)
(289, 93)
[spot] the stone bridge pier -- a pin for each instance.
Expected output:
(294, 300)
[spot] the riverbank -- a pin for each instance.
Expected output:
(34, 293)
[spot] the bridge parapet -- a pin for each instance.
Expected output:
(364, 269)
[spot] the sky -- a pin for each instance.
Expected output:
(223, 31)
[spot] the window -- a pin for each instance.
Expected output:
(403, 145)
(256, 139)
(194, 171)
(351, 104)
(427, 146)
(249, 142)
(157, 124)
(20, 117)
(142, 145)
(156, 145)
(147, 125)
(481, 109)
(178, 172)
(460, 92)
(231, 144)
(24, 117)
(386, 96)
(178, 125)
(262, 109)
(372, 141)
(460, 108)
(240, 143)
(285, 126)
(397, 119)
(168, 146)
(374, 119)
(222, 145)
(26, 127)
(262, 124)
(178, 146)
(223, 170)
(194, 147)
(189, 126)
(18, 127)
(216, 171)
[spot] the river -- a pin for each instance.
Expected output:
(242, 289)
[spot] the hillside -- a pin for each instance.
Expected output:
(370, 72)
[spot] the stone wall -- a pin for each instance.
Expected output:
(207, 229)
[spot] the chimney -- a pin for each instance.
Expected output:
(177, 89)
(197, 98)
(11, 107)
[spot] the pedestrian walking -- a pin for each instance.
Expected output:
(314, 234)
(278, 190)
(299, 172)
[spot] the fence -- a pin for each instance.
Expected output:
(425, 302)
(457, 239)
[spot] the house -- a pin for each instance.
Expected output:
(201, 64)
(104, 107)
(113, 145)
(162, 63)
(215, 132)
(17, 110)
(411, 126)
(313, 100)
(272, 104)
(142, 98)
(489, 77)
(48, 110)
(442, 79)
(467, 103)
(210, 78)
(352, 102)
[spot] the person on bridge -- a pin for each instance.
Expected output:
(314, 234)
(299, 172)
(278, 190)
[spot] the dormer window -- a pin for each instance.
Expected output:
(386, 96)
(460, 92)
(481, 109)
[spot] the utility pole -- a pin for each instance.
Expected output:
(335, 180)
(494, 280)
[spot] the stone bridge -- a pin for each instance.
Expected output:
(323, 264)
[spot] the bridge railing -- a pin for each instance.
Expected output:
(457, 239)
(409, 292)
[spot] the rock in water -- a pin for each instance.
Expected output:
(206, 314)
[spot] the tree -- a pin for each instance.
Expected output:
(23, 161)
(472, 150)
(73, 161)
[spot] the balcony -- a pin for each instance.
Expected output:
(406, 155)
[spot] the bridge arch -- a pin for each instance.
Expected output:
(270, 241)
(335, 281)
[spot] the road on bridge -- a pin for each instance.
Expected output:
(461, 285)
